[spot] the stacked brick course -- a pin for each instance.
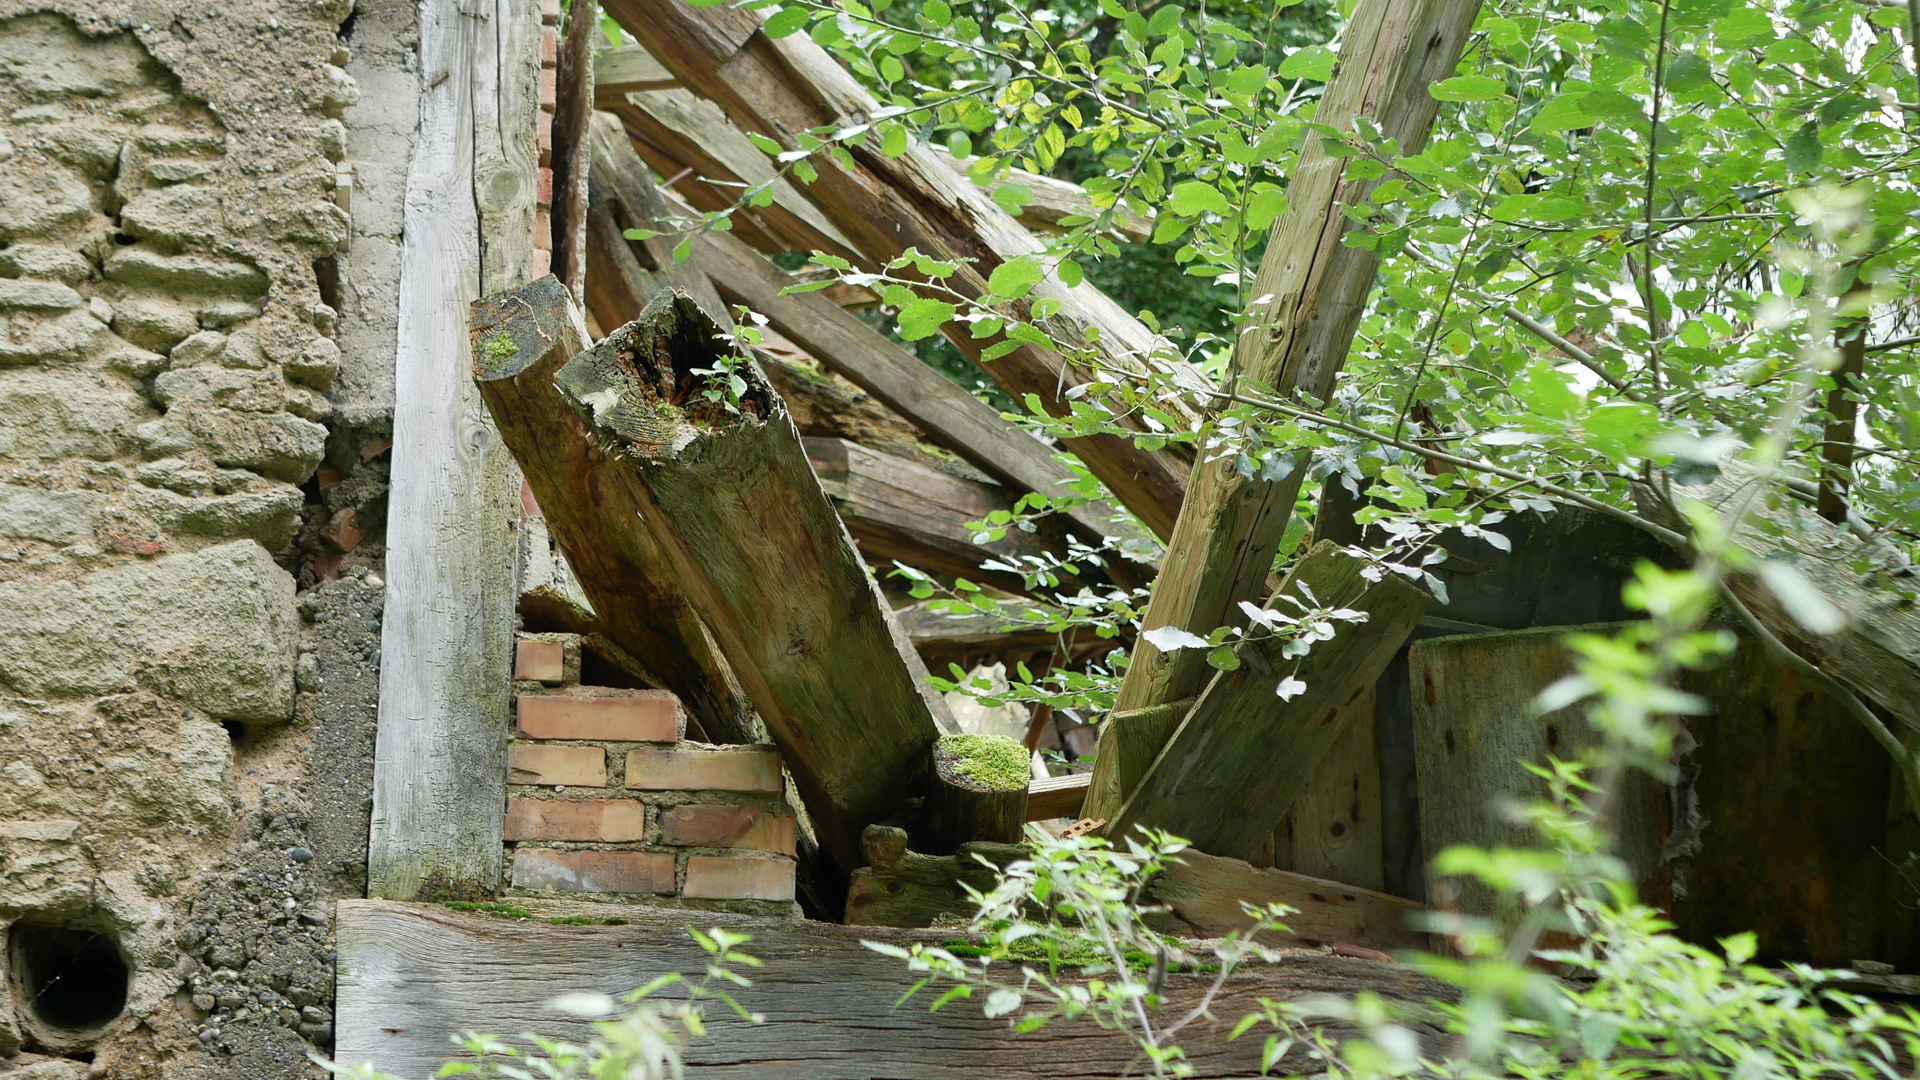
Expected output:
(549, 72)
(606, 798)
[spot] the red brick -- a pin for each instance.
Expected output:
(542, 231)
(593, 871)
(543, 188)
(542, 263)
(549, 87)
(620, 719)
(574, 766)
(549, 46)
(715, 825)
(650, 769)
(540, 661)
(611, 821)
(722, 877)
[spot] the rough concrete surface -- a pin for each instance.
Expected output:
(190, 433)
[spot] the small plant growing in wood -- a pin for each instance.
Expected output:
(641, 1041)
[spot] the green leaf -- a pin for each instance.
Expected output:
(1164, 20)
(1564, 113)
(1315, 62)
(960, 146)
(611, 29)
(1803, 148)
(1545, 392)
(1620, 430)
(1191, 197)
(1012, 197)
(893, 142)
(1468, 88)
(923, 318)
(1015, 278)
(1741, 25)
(786, 21)
(682, 250)
(937, 13)
(1070, 273)
(1267, 203)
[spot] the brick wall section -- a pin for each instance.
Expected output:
(606, 799)
(549, 61)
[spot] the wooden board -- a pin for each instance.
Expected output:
(1333, 830)
(766, 564)
(447, 634)
(573, 107)
(410, 977)
(1237, 762)
(627, 69)
(1474, 729)
(1205, 892)
(1057, 796)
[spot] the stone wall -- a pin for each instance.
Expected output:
(198, 236)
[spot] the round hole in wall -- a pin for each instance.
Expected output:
(72, 981)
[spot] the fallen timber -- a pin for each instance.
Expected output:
(1309, 293)
(783, 88)
(413, 976)
(767, 564)
(521, 340)
(633, 202)
(1226, 776)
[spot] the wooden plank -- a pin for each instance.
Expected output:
(897, 509)
(1057, 796)
(1333, 830)
(1314, 288)
(521, 339)
(766, 564)
(1242, 756)
(950, 416)
(573, 107)
(1474, 734)
(633, 202)
(1054, 200)
(410, 977)
(446, 638)
(696, 134)
(886, 205)
(627, 69)
(1205, 893)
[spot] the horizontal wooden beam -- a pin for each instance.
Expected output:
(628, 69)
(411, 977)
(1204, 893)
(1057, 796)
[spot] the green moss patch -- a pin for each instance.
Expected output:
(498, 911)
(995, 762)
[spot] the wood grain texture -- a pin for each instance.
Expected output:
(1057, 796)
(573, 107)
(627, 69)
(446, 639)
(1223, 546)
(766, 564)
(633, 202)
(1333, 830)
(411, 977)
(521, 339)
(885, 205)
(1240, 758)
(849, 347)
(1205, 892)
(1474, 733)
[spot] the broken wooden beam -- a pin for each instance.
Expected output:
(1204, 892)
(573, 105)
(1057, 796)
(521, 340)
(411, 977)
(633, 202)
(729, 496)
(973, 796)
(1309, 293)
(950, 416)
(784, 88)
(1234, 766)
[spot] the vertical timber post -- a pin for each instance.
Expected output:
(446, 645)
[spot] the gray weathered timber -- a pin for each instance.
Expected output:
(573, 107)
(1877, 653)
(909, 890)
(447, 637)
(635, 203)
(521, 339)
(784, 88)
(413, 976)
(1205, 892)
(617, 285)
(1229, 773)
(1333, 830)
(1057, 796)
(1308, 297)
(766, 564)
(626, 69)
(1475, 732)
(961, 810)
(870, 360)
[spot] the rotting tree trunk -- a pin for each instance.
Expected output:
(1232, 769)
(766, 564)
(1307, 302)
(885, 205)
(521, 340)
